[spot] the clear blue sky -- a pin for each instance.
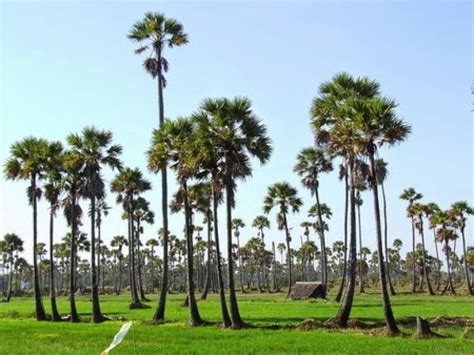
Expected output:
(65, 66)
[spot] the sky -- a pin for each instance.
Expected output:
(67, 65)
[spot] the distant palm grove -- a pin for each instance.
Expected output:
(210, 153)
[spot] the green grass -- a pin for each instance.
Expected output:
(20, 333)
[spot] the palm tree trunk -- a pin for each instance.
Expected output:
(274, 271)
(195, 318)
(208, 262)
(160, 311)
(344, 312)
(346, 215)
(288, 256)
(234, 307)
(139, 265)
(466, 268)
(225, 313)
(438, 263)
(449, 282)
(425, 269)
(54, 308)
(97, 316)
(413, 251)
(361, 277)
(40, 313)
(72, 272)
(387, 308)
(385, 234)
(324, 270)
(10, 282)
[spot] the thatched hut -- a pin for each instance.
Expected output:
(304, 290)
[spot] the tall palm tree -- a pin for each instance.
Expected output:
(333, 125)
(377, 125)
(27, 162)
(174, 144)
(382, 174)
(101, 210)
(445, 233)
(412, 196)
(73, 183)
(155, 32)
(460, 210)
(237, 224)
(118, 242)
(237, 135)
(128, 185)
(430, 209)
(321, 212)
(416, 212)
(52, 192)
(93, 148)
(310, 163)
(261, 222)
(284, 197)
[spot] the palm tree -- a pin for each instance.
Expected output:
(332, 122)
(27, 162)
(445, 233)
(412, 196)
(237, 223)
(155, 32)
(430, 209)
(284, 197)
(460, 210)
(101, 210)
(73, 183)
(10, 246)
(416, 212)
(142, 213)
(128, 185)
(94, 150)
(175, 144)
(377, 125)
(382, 173)
(310, 163)
(118, 242)
(230, 135)
(321, 211)
(52, 191)
(261, 222)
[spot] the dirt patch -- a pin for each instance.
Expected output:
(310, 324)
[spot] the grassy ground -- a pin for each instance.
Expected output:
(20, 333)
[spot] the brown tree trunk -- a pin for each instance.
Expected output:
(97, 316)
(346, 213)
(54, 308)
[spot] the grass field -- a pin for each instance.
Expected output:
(20, 333)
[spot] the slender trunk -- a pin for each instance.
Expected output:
(225, 313)
(97, 316)
(54, 308)
(361, 277)
(387, 308)
(346, 215)
(160, 311)
(40, 313)
(385, 234)
(466, 268)
(195, 318)
(234, 307)
(131, 257)
(139, 265)
(241, 273)
(10, 282)
(288, 256)
(72, 272)
(345, 310)
(413, 253)
(449, 283)
(425, 269)
(208, 262)
(274, 271)
(324, 272)
(438, 263)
